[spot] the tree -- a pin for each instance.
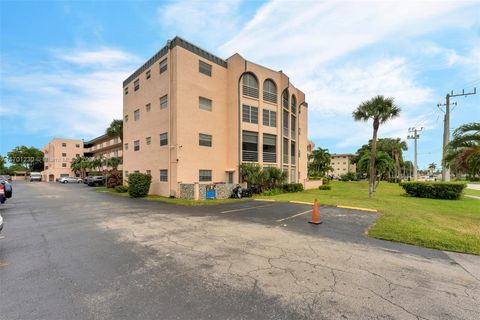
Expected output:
(431, 167)
(319, 164)
(115, 129)
(2, 164)
(80, 165)
(114, 162)
(463, 152)
(395, 148)
(380, 110)
(30, 158)
(384, 165)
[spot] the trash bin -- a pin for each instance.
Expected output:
(211, 193)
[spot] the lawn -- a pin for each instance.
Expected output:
(452, 225)
(472, 192)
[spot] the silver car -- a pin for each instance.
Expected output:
(70, 180)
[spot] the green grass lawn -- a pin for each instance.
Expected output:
(472, 192)
(452, 225)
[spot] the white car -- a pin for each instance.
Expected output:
(70, 180)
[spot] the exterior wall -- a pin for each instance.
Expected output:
(104, 146)
(312, 184)
(56, 155)
(341, 164)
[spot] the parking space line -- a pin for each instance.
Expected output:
(249, 208)
(294, 216)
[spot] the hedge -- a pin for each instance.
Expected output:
(121, 189)
(325, 187)
(293, 187)
(139, 184)
(434, 190)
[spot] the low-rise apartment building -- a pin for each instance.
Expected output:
(341, 164)
(192, 117)
(106, 147)
(58, 154)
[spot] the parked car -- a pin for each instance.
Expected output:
(6, 177)
(95, 181)
(35, 176)
(6, 190)
(70, 180)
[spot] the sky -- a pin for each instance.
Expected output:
(62, 63)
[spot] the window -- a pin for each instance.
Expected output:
(205, 140)
(126, 118)
(292, 152)
(285, 99)
(269, 91)
(292, 175)
(148, 140)
(249, 146)
(163, 175)
(64, 165)
(148, 74)
(148, 107)
(205, 68)
(136, 145)
(163, 65)
(136, 115)
(164, 139)
(64, 154)
(250, 85)
(77, 155)
(205, 104)
(205, 175)
(294, 104)
(285, 150)
(293, 127)
(269, 148)
(126, 174)
(164, 102)
(77, 145)
(285, 123)
(250, 114)
(269, 118)
(125, 90)
(136, 85)
(126, 146)
(64, 144)
(149, 172)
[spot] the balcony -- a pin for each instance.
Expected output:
(269, 157)
(249, 156)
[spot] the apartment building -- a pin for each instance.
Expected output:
(58, 156)
(106, 147)
(192, 117)
(341, 164)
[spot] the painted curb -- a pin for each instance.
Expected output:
(357, 208)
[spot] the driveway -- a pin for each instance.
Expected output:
(71, 253)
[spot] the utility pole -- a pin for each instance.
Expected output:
(446, 126)
(415, 135)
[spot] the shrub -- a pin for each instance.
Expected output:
(272, 192)
(349, 176)
(434, 190)
(139, 184)
(293, 187)
(114, 179)
(121, 189)
(325, 180)
(325, 187)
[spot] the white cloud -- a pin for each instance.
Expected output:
(103, 56)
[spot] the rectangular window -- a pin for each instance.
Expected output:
(205, 140)
(148, 74)
(292, 175)
(249, 146)
(136, 115)
(77, 155)
(77, 145)
(292, 152)
(136, 84)
(205, 104)
(64, 154)
(164, 139)
(126, 90)
(293, 127)
(64, 144)
(269, 118)
(163, 65)
(269, 148)
(250, 114)
(126, 146)
(285, 150)
(136, 145)
(285, 123)
(163, 175)
(126, 118)
(64, 165)
(205, 68)
(148, 140)
(148, 172)
(204, 175)
(164, 102)
(126, 174)
(148, 107)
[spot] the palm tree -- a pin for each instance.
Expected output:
(463, 152)
(380, 110)
(319, 162)
(115, 129)
(384, 164)
(432, 166)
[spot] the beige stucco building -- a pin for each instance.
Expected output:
(341, 164)
(58, 156)
(106, 147)
(190, 116)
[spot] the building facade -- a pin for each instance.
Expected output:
(58, 154)
(106, 147)
(192, 117)
(341, 164)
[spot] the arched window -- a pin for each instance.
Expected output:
(285, 99)
(294, 104)
(250, 85)
(269, 91)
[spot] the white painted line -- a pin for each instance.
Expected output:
(294, 216)
(269, 200)
(250, 208)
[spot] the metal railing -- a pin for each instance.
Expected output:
(250, 156)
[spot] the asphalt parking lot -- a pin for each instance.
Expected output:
(71, 253)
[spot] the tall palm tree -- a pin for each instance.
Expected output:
(115, 129)
(380, 110)
(432, 166)
(463, 152)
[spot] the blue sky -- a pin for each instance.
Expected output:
(62, 63)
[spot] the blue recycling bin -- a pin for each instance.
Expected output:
(211, 194)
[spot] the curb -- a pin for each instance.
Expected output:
(357, 208)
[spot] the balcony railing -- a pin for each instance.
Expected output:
(269, 157)
(250, 156)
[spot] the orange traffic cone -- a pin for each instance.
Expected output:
(315, 214)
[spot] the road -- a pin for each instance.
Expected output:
(71, 253)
